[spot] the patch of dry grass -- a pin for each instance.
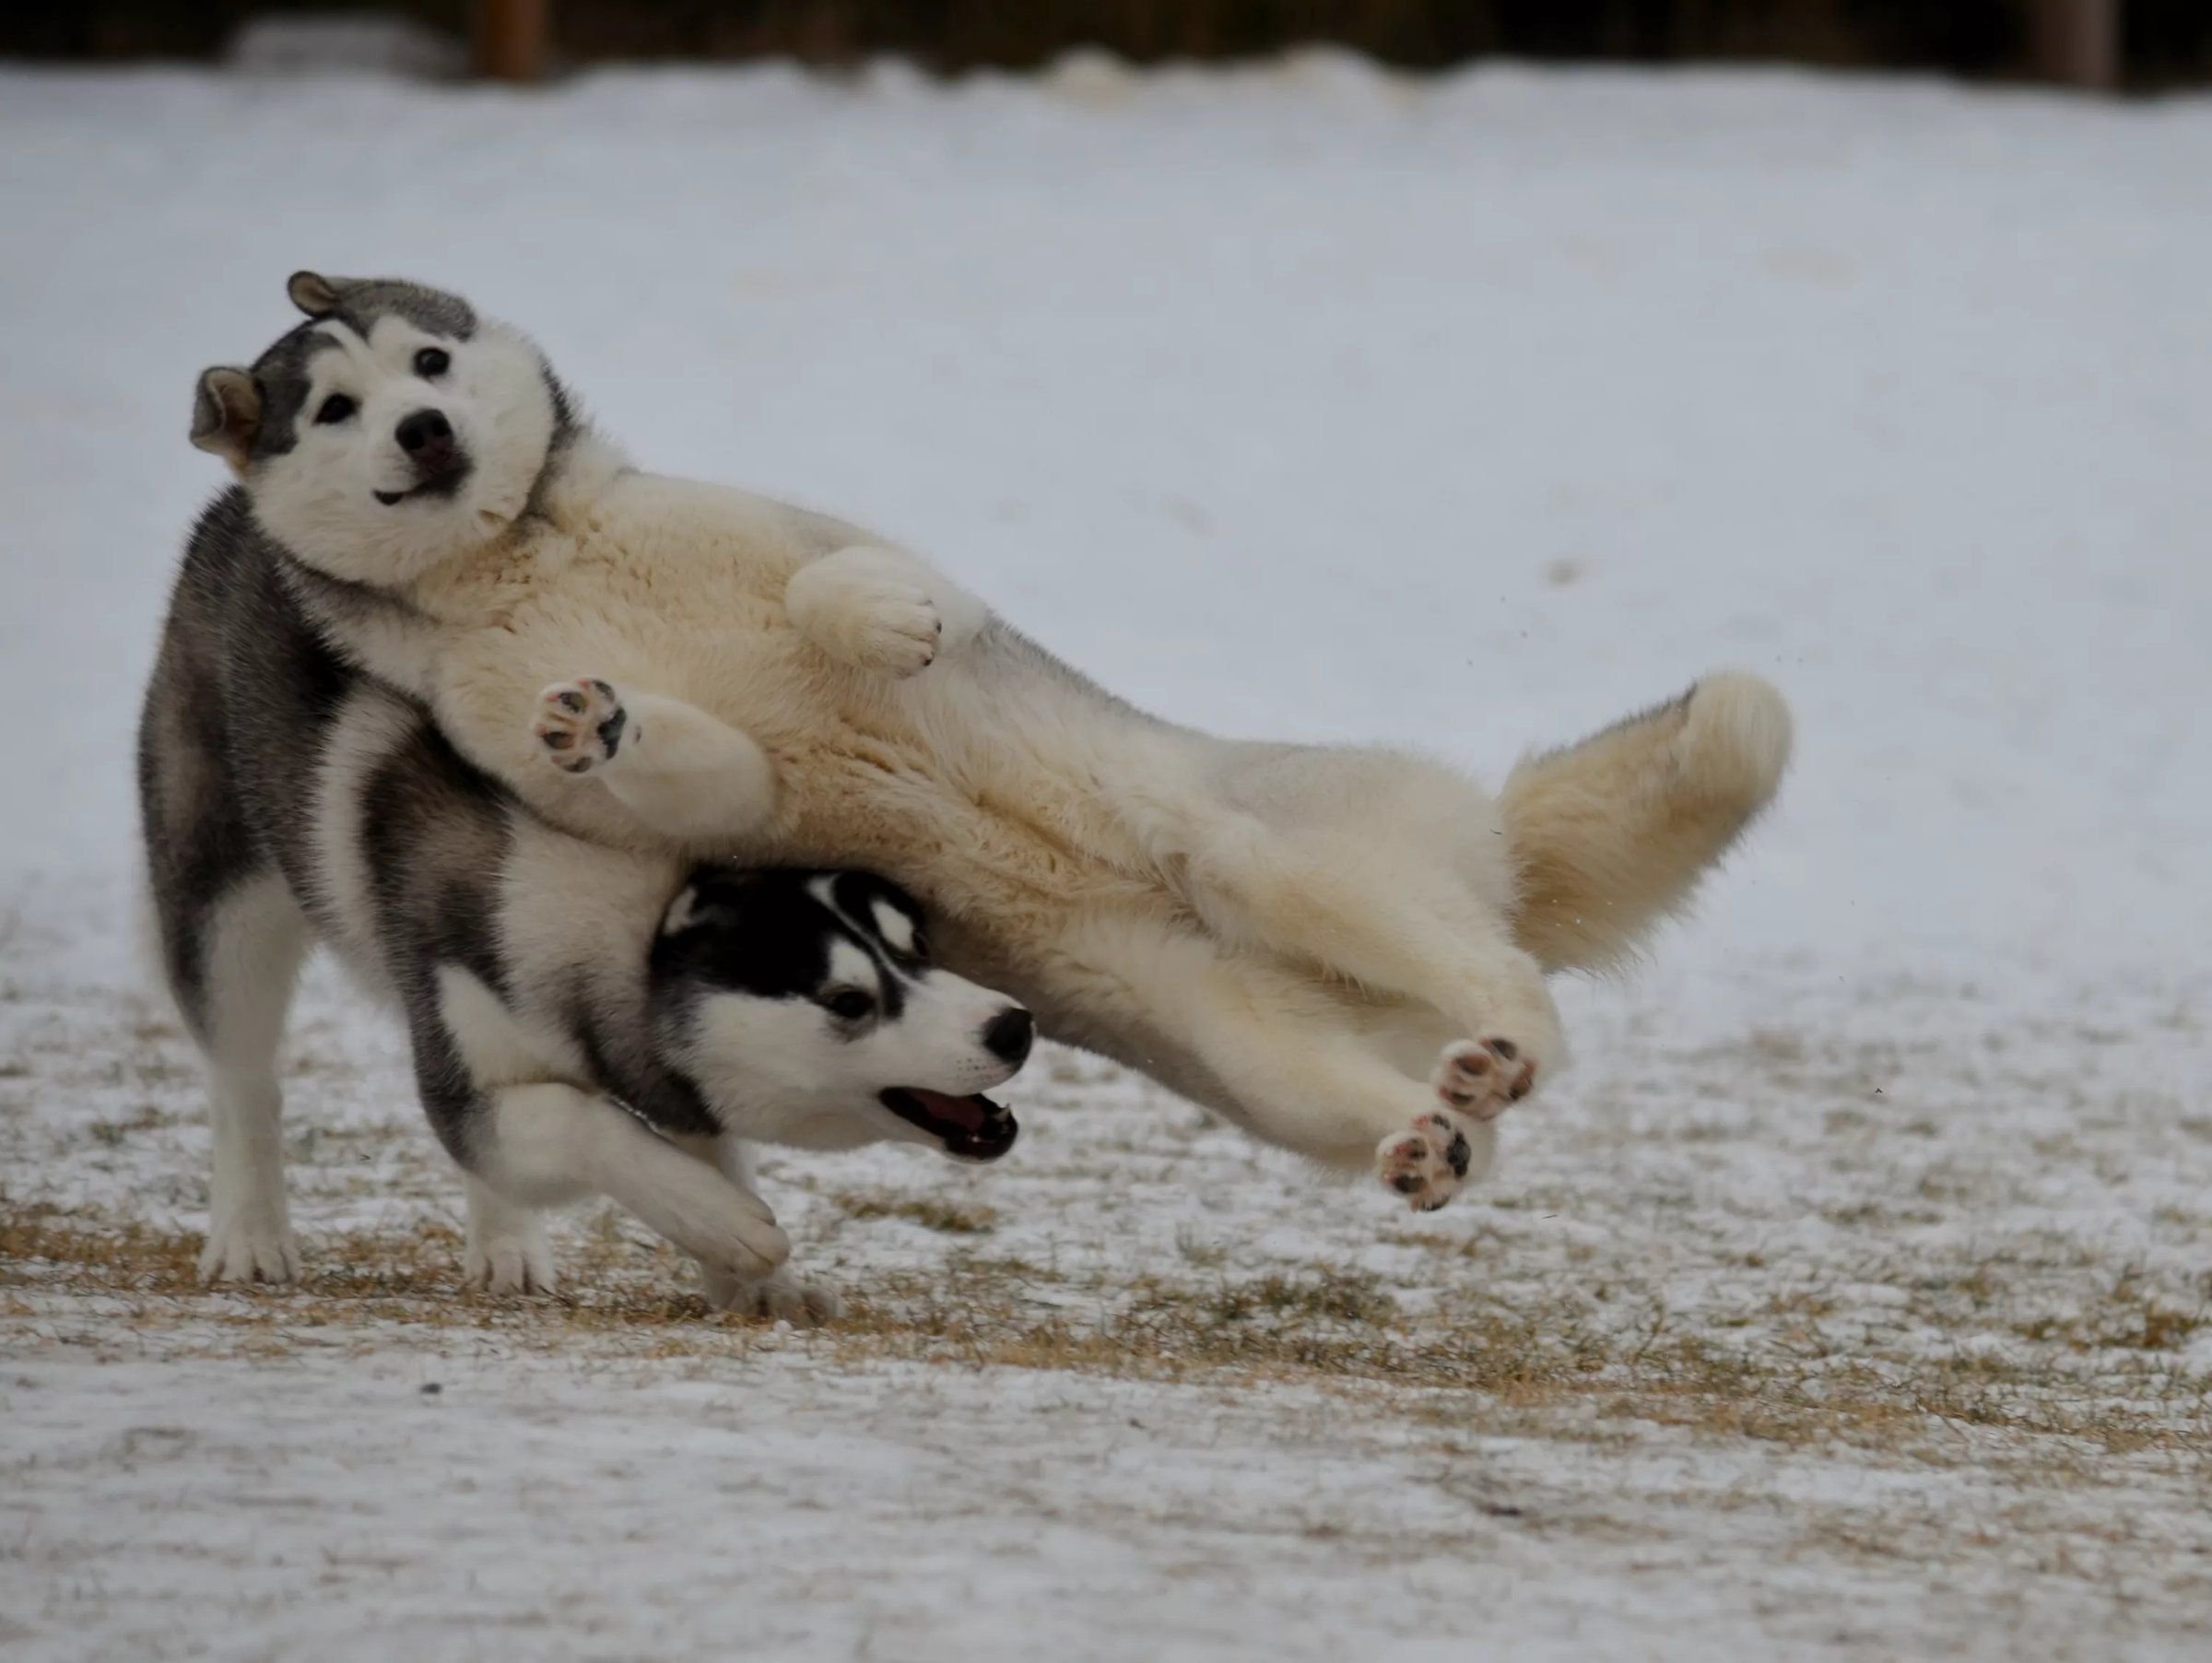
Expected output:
(932, 1212)
(1569, 1365)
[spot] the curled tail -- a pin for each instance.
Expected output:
(1609, 835)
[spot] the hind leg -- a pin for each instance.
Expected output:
(1408, 930)
(235, 961)
(1386, 871)
(1304, 1065)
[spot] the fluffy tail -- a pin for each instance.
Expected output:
(1611, 834)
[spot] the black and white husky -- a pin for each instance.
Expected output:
(1342, 949)
(583, 1021)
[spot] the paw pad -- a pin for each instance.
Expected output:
(1481, 1077)
(1428, 1164)
(581, 725)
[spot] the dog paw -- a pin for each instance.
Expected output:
(244, 1250)
(863, 609)
(895, 632)
(521, 1263)
(581, 725)
(779, 1298)
(1430, 1162)
(1481, 1077)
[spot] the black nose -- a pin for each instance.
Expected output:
(425, 435)
(1010, 1034)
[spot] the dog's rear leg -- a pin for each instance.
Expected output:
(233, 964)
(683, 773)
(1419, 935)
(1302, 1072)
(1328, 1095)
(781, 1294)
(547, 1145)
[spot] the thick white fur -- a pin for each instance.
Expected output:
(1292, 935)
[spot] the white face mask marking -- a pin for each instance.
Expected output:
(490, 422)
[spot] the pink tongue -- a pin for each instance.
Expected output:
(967, 1113)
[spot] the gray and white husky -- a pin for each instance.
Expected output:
(1342, 949)
(583, 1021)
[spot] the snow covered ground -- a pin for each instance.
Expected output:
(1852, 1295)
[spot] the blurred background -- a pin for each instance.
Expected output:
(2133, 43)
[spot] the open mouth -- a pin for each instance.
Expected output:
(973, 1129)
(446, 484)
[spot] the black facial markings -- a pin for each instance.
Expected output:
(281, 375)
(752, 932)
(432, 310)
(857, 895)
(765, 931)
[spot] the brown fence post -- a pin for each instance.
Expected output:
(510, 38)
(2077, 42)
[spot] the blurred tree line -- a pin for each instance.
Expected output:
(2162, 41)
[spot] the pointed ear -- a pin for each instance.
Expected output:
(710, 898)
(315, 294)
(683, 912)
(226, 415)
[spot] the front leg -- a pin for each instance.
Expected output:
(781, 1296)
(683, 773)
(506, 1251)
(882, 610)
(548, 1144)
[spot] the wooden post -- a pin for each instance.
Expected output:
(2077, 42)
(510, 38)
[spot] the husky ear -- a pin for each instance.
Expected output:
(709, 900)
(315, 294)
(683, 912)
(691, 908)
(226, 415)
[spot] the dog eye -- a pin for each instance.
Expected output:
(851, 1004)
(336, 407)
(433, 361)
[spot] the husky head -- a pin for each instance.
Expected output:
(806, 1008)
(392, 431)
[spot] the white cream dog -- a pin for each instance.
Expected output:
(1342, 949)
